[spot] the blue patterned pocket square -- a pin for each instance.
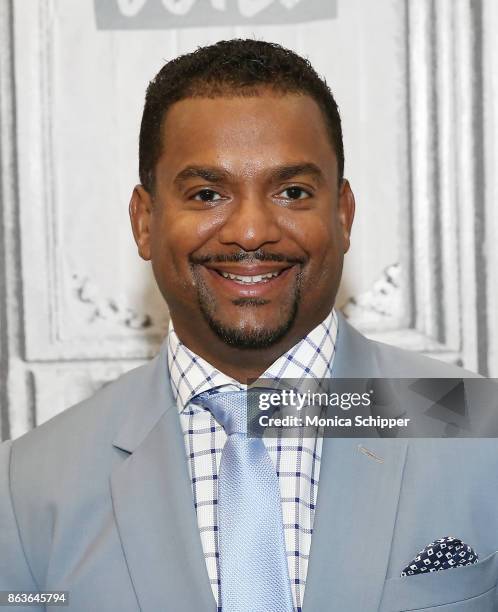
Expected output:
(441, 554)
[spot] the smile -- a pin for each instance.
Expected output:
(250, 280)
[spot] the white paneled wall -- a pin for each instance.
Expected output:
(416, 84)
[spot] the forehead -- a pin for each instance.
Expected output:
(246, 133)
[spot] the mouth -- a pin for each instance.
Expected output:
(251, 281)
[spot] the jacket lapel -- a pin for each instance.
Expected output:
(358, 494)
(152, 501)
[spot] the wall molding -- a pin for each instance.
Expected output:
(48, 284)
(444, 271)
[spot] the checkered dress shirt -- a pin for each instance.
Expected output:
(296, 460)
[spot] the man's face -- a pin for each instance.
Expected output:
(248, 224)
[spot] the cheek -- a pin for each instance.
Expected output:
(176, 235)
(314, 233)
(320, 237)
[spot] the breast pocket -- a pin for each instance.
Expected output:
(462, 589)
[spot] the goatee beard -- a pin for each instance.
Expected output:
(248, 339)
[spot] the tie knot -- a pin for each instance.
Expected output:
(231, 409)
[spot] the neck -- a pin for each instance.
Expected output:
(239, 364)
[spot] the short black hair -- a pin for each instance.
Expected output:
(234, 67)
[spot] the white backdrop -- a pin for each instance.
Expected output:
(415, 81)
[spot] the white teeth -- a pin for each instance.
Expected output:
(250, 279)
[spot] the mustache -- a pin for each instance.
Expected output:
(246, 257)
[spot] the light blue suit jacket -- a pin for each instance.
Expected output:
(98, 502)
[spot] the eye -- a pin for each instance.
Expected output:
(295, 193)
(207, 195)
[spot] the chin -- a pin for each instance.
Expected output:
(252, 336)
(252, 324)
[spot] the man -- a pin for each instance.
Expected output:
(146, 496)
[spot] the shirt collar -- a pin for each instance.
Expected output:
(311, 357)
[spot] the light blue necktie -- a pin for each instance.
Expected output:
(253, 565)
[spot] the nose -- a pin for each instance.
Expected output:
(251, 224)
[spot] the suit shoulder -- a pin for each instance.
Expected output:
(86, 426)
(401, 363)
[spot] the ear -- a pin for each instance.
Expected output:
(140, 216)
(346, 212)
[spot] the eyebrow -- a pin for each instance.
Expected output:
(279, 174)
(284, 173)
(208, 173)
